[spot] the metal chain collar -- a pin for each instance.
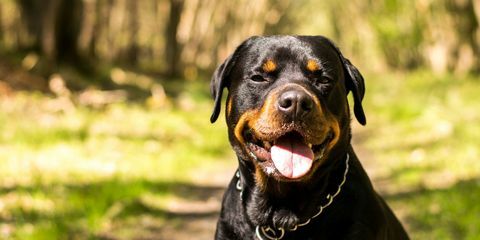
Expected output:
(271, 233)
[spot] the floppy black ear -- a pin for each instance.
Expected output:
(221, 78)
(218, 82)
(354, 82)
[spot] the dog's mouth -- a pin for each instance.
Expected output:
(289, 156)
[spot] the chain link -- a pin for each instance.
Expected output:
(329, 198)
(270, 233)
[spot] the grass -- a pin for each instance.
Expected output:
(442, 213)
(75, 174)
(426, 122)
(423, 135)
(84, 173)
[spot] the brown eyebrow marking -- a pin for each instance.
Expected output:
(269, 66)
(312, 65)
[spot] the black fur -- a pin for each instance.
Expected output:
(358, 212)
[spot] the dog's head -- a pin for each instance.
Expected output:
(287, 108)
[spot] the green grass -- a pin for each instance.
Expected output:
(421, 121)
(423, 133)
(443, 213)
(77, 173)
(86, 173)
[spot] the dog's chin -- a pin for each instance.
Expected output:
(289, 157)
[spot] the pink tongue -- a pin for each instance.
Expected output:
(293, 159)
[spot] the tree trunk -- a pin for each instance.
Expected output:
(172, 46)
(133, 50)
(48, 31)
(85, 37)
(33, 19)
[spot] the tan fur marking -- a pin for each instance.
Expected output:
(260, 178)
(264, 123)
(266, 110)
(336, 132)
(269, 66)
(312, 65)
(229, 106)
(244, 119)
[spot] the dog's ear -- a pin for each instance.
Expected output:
(354, 82)
(221, 78)
(218, 82)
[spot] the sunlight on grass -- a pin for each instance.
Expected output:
(114, 172)
(423, 132)
(124, 139)
(450, 213)
(74, 174)
(426, 122)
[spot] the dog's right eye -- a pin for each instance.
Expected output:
(258, 78)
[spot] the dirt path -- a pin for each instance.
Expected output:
(196, 217)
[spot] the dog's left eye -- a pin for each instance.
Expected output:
(319, 78)
(258, 78)
(323, 79)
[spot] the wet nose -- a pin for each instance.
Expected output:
(295, 103)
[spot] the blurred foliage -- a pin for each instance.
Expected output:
(188, 37)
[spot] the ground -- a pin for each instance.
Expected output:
(98, 164)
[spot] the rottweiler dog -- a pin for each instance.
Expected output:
(288, 122)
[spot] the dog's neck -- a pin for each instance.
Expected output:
(284, 204)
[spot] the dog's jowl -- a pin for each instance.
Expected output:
(288, 121)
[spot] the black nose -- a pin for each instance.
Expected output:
(295, 103)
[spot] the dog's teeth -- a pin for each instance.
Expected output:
(267, 145)
(310, 145)
(269, 170)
